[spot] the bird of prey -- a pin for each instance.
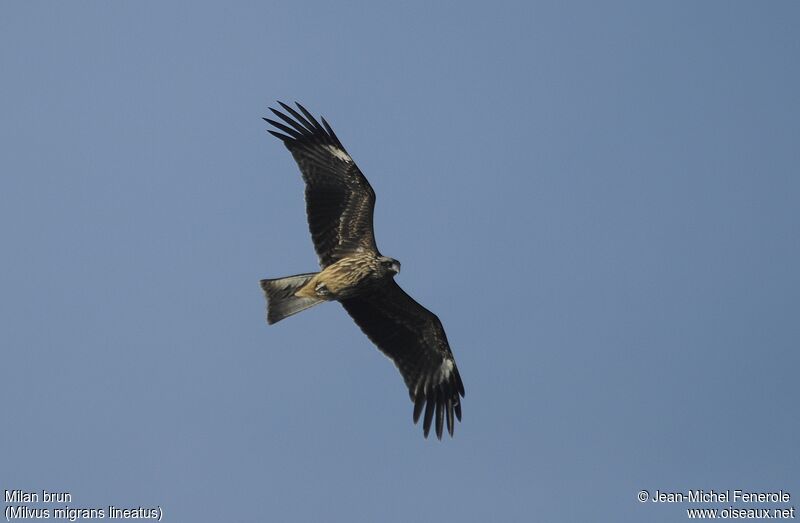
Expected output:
(339, 205)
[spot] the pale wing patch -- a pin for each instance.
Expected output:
(442, 374)
(338, 153)
(445, 370)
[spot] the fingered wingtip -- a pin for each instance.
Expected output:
(444, 410)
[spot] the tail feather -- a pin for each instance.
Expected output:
(281, 299)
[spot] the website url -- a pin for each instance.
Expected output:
(740, 513)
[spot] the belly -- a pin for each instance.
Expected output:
(343, 279)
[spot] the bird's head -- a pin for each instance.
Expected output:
(390, 265)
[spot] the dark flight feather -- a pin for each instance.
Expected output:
(293, 134)
(305, 123)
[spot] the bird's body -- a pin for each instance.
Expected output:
(340, 204)
(348, 277)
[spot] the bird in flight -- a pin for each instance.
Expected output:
(340, 204)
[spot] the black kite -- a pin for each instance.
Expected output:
(340, 204)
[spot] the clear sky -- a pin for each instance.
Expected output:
(600, 200)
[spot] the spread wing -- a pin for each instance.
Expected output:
(339, 199)
(413, 337)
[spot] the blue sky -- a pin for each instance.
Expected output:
(599, 200)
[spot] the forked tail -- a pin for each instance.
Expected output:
(281, 300)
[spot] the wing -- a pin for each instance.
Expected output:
(413, 337)
(339, 199)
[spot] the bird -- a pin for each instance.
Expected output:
(340, 204)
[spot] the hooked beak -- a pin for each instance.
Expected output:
(396, 267)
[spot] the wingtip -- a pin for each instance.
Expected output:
(418, 405)
(449, 413)
(439, 418)
(304, 123)
(429, 411)
(280, 136)
(300, 106)
(442, 406)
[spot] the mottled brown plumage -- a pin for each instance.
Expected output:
(340, 203)
(345, 277)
